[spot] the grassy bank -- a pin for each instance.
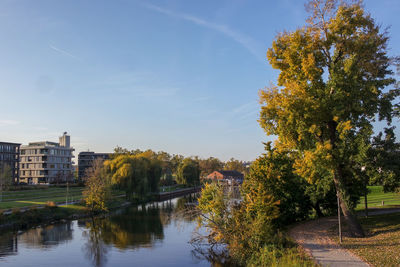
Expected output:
(40, 196)
(30, 210)
(22, 220)
(18, 220)
(376, 196)
(381, 246)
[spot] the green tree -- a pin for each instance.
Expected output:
(5, 178)
(329, 91)
(209, 165)
(129, 173)
(97, 187)
(188, 172)
(273, 174)
(138, 175)
(176, 160)
(234, 165)
(246, 227)
(155, 169)
(383, 162)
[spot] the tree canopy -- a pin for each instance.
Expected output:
(97, 187)
(235, 165)
(137, 174)
(188, 172)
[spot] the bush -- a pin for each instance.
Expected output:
(16, 210)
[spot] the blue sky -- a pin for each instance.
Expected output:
(179, 76)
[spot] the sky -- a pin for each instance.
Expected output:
(179, 76)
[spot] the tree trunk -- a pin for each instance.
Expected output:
(354, 227)
(317, 209)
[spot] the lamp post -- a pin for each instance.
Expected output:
(340, 226)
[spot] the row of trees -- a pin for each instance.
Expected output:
(139, 174)
(170, 163)
(335, 80)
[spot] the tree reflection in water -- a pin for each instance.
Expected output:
(95, 249)
(132, 228)
(8, 244)
(126, 229)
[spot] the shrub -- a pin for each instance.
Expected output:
(16, 210)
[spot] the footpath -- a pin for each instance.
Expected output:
(313, 237)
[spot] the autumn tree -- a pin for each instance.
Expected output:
(247, 227)
(188, 172)
(332, 73)
(273, 173)
(97, 187)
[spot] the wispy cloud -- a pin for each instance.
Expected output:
(8, 122)
(140, 84)
(245, 107)
(246, 41)
(62, 51)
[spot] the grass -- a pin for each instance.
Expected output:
(284, 257)
(381, 246)
(42, 195)
(164, 189)
(376, 196)
(35, 197)
(17, 220)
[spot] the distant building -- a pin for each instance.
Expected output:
(227, 176)
(47, 162)
(9, 155)
(85, 161)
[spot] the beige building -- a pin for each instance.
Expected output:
(47, 162)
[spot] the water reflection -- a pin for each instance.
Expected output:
(126, 234)
(46, 237)
(131, 228)
(95, 248)
(8, 244)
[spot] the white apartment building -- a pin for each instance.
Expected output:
(46, 162)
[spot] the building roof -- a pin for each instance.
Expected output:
(42, 143)
(9, 143)
(93, 153)
(230, 173)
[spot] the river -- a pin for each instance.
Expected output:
(155, 234)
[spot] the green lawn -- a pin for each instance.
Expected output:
(171, 188)
(381, 246)
(26, 198)
(40, 193)
(376, 196)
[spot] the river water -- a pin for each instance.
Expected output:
(155, 234)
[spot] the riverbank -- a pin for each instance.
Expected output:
(25, 217)
(21, 219)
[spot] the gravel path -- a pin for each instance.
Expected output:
(313, 237)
